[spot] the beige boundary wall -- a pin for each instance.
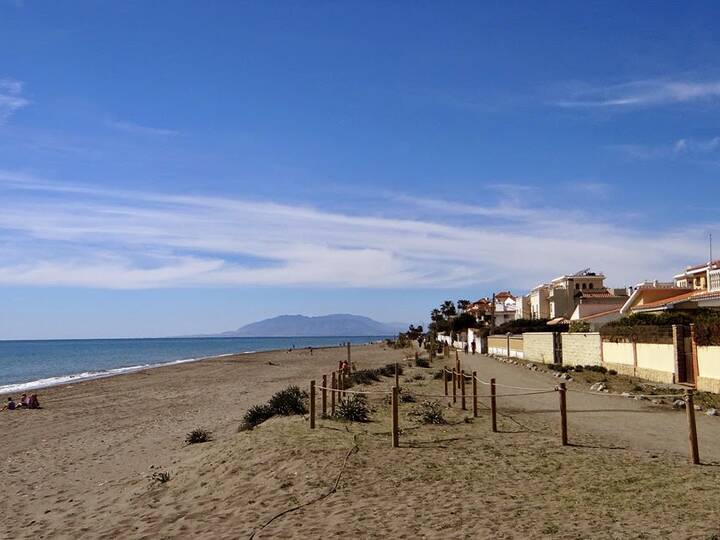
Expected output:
(708, 369)
(539, 347)
(652, 361)
(584, 349)
(498, 345)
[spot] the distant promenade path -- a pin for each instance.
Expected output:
(612, 419)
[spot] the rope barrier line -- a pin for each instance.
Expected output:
(540, 390)
(382, 392)
(486, 396)
(679, 396)
(355, 391)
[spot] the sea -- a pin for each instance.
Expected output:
(32, 364)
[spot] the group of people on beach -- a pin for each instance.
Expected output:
(26, 402)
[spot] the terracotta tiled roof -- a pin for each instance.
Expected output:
(595, 293)
(602, 314)
(691, 296)
(703, 265)
(503, 294)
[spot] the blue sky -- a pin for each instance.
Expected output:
(181, 167)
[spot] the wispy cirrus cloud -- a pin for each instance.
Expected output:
(644, 93)
(686, 147)
(137, 129)
(55, 234)
(11, 98)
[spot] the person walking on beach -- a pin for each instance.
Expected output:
(474, 346)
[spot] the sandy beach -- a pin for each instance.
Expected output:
(83, 466)
(74, 466)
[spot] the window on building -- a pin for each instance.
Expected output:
(584, 286)
(590, 286)
(577, 286)
(715, 281)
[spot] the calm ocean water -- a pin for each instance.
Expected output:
(25, 365)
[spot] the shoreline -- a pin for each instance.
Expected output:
(90, 452)
(84, 376)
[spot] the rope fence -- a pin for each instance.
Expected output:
(459, 379)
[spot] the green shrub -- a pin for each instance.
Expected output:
(198, 435)
(612, 372)
(389, 370)
(353, 409)
(428, 412)
(579, 327)
(407, 398)
(422, 362)
(438, 375)
(579, 368)
(255, 416)
(369, 376)
(559, 367)
(362, 376)
(289, 401)
(520, 326)
(598, 369)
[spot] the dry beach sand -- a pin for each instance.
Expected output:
(81, 467)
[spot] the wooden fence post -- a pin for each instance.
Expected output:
(312, 404)
(397, 375)
(474, 379)
(457, 366)
(563, 414)
(332, 394)
(417, 357)
(348, 354)
(395, 430)
(463, 404)
(445, 381)
(323, 398)
(454, 385)
(692, 428)
(493, 406)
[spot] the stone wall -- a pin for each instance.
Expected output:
(709, 369)
(538, 347)
(584, 349)
(652, 361)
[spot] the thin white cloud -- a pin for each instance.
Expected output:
(589, 187)
(681, 148)
(641, 94)
(11, 98)
(137, 129)
(129, 240)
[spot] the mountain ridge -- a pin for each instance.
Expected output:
(337, 324)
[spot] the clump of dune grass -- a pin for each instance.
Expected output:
(161, 477)
(353, 409)
(428, 412)
(255, 416)
(422, 362)
(289, 401)
(198, 435)
(369, 376)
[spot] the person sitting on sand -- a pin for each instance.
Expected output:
(33, 402)
(25, 401)
(11, 405)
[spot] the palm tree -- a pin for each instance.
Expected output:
(448, 309)
(463, 305)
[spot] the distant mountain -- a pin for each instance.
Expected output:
(326, 325)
